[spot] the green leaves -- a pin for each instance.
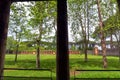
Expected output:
(42, 19)
(80, 12)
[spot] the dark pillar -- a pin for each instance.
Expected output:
(118, 2)
(62, 41)
(4, 19)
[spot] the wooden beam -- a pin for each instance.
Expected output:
(29, 0)
(4, 19)
(62, 41)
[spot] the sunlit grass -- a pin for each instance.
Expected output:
(76, 62)
(99, 74)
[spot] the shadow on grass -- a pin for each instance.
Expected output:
(12, 78)
(79, 63)
(75, 63)
(48, 63)
(30, 63)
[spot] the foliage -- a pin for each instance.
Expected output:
(109, 15)
(18, 20)
(10, 43)
(41, 13)
(41, 20)
(81, 17)
(41, 24)
(18, 23)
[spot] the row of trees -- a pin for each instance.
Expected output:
(88, 15)
(36, 22)
(33, 23)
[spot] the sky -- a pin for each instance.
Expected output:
(69, 31)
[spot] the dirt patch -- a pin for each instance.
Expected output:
(72, 73)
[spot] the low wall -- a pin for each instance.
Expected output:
(47, 52)
(109, 52)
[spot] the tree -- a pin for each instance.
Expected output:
(117, 27)
(111, 21)
(113, 24)
(17, 24)
(40, 23)
(53, 17)
(103, 44)
(79, 12)
(108, 10)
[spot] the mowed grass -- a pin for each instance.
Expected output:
(49, 61)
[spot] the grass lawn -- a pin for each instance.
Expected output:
(49, 61)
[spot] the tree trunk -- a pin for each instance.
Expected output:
(38, 57)
(111, 41)
(85, 50)
(16, 52)
(103, 44)
(86, 58)
(84, 38)
(17, 47)
(87, 35)
(4, 19)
